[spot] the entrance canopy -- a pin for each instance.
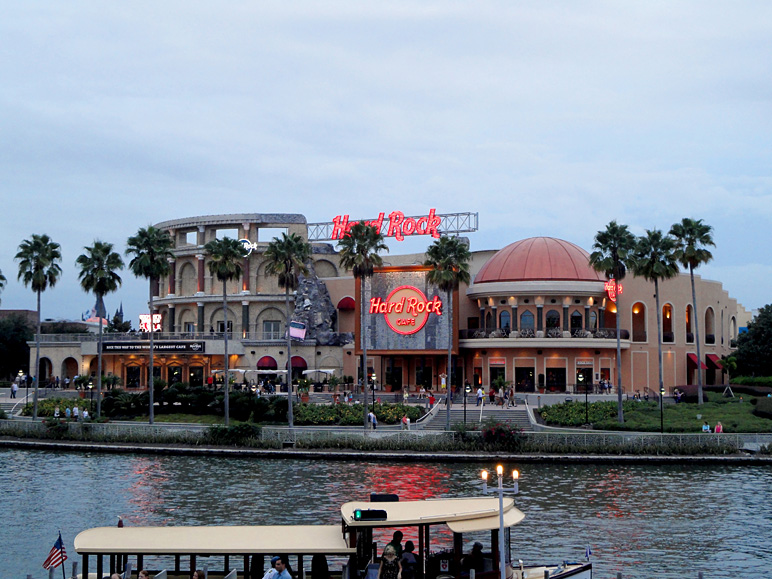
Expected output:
(693, 362)
(298, 362)
(715, 361)
(267, 363)
(328, 371)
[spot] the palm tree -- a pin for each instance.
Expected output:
(359, 250)
(692, 237)
(655, 260)
(225, 262)
(449, 259)
(2, 281)
(286, 258)
(151, 248)
(98, 267)
(38, 259)
(611, 257)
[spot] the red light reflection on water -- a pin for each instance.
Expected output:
(146, 494)
(410, 482)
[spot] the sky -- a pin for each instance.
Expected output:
(545, 118)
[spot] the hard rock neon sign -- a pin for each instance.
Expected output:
(399, 225)
(612, 291)
(144, 322)
(406, 309)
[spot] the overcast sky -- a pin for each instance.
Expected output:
(546, 118)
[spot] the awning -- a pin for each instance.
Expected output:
(715, 361)
(267, 363)
(692, 362)
(347, 304)
(328, 371)
(297, 362)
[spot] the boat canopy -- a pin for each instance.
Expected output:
(461, 515)
(235, 540)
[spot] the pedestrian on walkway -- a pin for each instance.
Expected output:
(372, 419)
(480, 395)
(14, 389)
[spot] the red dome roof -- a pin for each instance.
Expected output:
(539, 258)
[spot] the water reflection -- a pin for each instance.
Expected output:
(665, 521)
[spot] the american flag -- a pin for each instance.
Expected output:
(57, 556)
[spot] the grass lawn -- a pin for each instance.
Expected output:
(735, 416)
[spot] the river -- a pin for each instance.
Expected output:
(645, 521)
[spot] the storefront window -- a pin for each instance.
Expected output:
(133, 374)
(526, 321)
(196, 376)
(174, 374)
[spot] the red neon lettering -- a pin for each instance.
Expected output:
(395, 225)
(434, 223)
(409, 227)
(340, 226)
(421, 225)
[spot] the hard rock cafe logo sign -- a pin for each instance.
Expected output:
(406, 309)
(612, 291)
(399, 226)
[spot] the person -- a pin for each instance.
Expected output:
(512, 400)
(66, 382)
(14, 389)
(396, 543)
(422, 393)
(372, 419)
(719, 428)
(492, 395)
(405, 395)
(144, 574)
(85, 414)
(474, 560)
(272, 572)
(56, 411)
(75, 413)
(501, 397)
(480, 395)
(198, 574)
(319, 567)
(67, 413)
(705, 426)
(282, 568)
(390, 567)
(408, 561)
(405, 423)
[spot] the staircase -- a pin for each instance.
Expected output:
(517, 416)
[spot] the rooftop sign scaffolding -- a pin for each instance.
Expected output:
(397, 225)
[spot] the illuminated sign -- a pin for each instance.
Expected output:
(167, 347)
(612, 293)
(406, 309)
(144, 322)
(399, 225)
(249, 246)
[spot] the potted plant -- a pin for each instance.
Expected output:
(303, 385)
(333, 383)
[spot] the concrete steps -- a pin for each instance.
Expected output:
(517, 416)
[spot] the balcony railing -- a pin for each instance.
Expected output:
(710, 339)
(668, 337)
(552, 333)
(639, 336)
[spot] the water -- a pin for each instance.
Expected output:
(664, 521)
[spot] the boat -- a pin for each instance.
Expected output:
(241, 551)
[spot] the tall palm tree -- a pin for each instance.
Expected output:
(2, 281)
(359, 250)
(655, 260)
(152, 250)
(449, 259)
(227, 255)
(692, 238)
(98, 267)
(286, 258)
(613, 247)
(39, 259)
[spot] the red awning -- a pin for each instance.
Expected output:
(715, 361)
(692, 362)
(347, 304)
(298, 362)
(267, 363)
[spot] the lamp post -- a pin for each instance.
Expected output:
(19, 377)
(661, 409)
(586, 404)
(91, 394)
(500, 490)
(467, 390)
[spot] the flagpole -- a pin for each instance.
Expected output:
(62, 543)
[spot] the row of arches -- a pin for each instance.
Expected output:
(708, 327)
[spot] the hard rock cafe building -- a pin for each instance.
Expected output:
(535, 313)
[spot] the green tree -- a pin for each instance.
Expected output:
(15, 332)
(611, 256)
(116, 325)
(359, 250)
(655, 260)
(692, 238)
(151, 249)
(98, 275)
(448, 258)
(38, 259)
(286, 258)
(753, 355)
(2, 281)
(225, 258)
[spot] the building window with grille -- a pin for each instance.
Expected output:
(272, 330)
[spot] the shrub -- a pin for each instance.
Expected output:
(763, 408)
(503, 436)
(239, 435)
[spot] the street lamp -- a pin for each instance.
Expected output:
(500, 490)
(91, 395)
(19, 376)
(661, 409)
(467, 390)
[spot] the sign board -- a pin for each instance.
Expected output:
(158, 347)
(144, 322)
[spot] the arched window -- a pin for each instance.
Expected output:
(526, 321)
(489, 323)
(576, 321)
(710, 326)
(593, 321)
(689, 329)
(552, 319)
(639, 322)
(504, 320)
(667, 324)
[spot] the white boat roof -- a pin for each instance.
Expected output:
(461, 515)
(272, 540)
